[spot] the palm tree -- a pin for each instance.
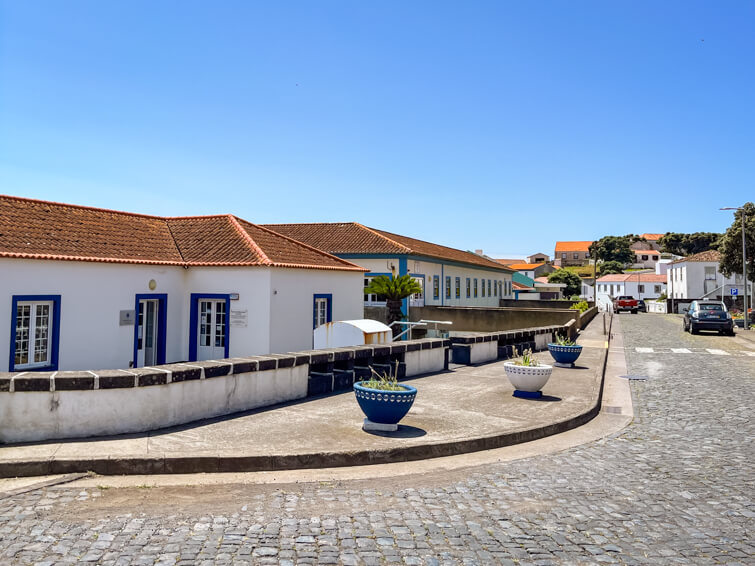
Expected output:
(393, 290)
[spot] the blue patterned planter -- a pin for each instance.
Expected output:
(565, 355)
(385, 407)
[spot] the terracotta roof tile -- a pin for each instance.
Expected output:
(503, 261)
(352, 237)
(646, 252)
(524, 266)
(573, 246)
(46, 230)
(651, 237)
(708, 256)
(519, 286)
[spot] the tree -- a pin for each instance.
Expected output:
(731, 244)
(689, 244)
(394, 290)
(611, 267)
(613, 248)
(572, 280)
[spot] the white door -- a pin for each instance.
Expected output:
(321, 311)
(146, 337)
(211, 334)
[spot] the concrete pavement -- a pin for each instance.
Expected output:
(464, 410)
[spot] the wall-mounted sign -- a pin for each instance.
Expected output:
(127, 318)
(239, 318)
(234, 296)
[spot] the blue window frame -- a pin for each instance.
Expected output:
(458, 288)
(34, 333)
(469, 287)
(436, 287)
(489, 289)
(162, 322)
(322, 309)
(194, 321)
(482, 287)
(448, 286)
(475, 287)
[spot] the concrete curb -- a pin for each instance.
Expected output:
(216, 464)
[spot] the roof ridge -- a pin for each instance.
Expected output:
(384, 237)
(318, 250)
(175, 242)
(248, 239)
(83, 206)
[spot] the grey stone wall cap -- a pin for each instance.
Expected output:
(243, 365)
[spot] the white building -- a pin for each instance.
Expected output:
(640, 285)
(448, 277)
(86, 288)
(698, 277)
(646, 259)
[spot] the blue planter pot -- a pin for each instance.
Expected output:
(385, 407)
(565, 355)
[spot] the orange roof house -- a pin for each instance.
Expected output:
(580, 246)
(110, 289)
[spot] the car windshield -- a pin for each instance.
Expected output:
(713, 307)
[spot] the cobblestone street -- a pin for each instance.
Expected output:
(675, 487)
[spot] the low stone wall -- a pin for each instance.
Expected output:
(487, 319)
(490, 346)
(535, 304)
(36, 406)
(587, 316)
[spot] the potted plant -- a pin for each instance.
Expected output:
(565, 351)
(393, 290)
(383, 400)
(527, 375)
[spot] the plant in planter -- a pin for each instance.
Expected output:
(565, 351)
(393, 290)
(383, 400)
(527, 375)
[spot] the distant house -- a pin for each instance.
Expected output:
(508, 261)
(448, 276)
(572, 253)
(87, 288)
(650, 242)
(538, 258)
(640, 285)
(532, 270)
(699, 277)
(646, 259)
(549, 290)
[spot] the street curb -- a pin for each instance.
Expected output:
(215, 464)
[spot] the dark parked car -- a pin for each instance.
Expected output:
(641, 305)
(708, 315)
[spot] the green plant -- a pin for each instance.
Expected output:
(564, 341)
(572, 281)
(581, 306)
(393, 290)
(662, 298)
(526, 359)
(383, 381)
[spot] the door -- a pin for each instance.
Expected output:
(212, 331)
(146, 333)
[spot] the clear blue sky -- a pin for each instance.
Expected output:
(497, 125)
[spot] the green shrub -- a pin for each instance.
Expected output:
(581, 306)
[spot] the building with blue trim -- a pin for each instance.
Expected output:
(448, 276)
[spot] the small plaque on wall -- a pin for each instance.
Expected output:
(127, 318)
(239, 318)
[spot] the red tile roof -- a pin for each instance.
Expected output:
(573, 246)
(508, 262)
(519, 286)
(352, 237)
(651, 237)
(708, 256)
(647, 252)
(524, 266)
(38, 229)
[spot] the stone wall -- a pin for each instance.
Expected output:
(477, 319)
(529, 304)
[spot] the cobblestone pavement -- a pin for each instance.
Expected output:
(675, 487)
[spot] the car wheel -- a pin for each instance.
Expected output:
(692, 329)
(634, 312)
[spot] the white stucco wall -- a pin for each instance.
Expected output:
(94, 293)
(292, 301)
(430, 269)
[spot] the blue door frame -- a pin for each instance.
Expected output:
(162, 323)
(194, 319)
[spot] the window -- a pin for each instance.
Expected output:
(448, 286)
(482, 284)
(322, 310)
(495, 288)
(458, 288)
(35, 324)
(418, 299)
(644, 258)
(489, 288)
(475, 288)
(563, 255)
(469, 286)
(657, 289)
(436, 287)
(372, 298)
(640, 288)
(587, 255)
(576, 255)
(710, 273)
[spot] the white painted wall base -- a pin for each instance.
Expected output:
(420, 362)
(44, 415)
(481, 352)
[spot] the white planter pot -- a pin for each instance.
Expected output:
(527, 378)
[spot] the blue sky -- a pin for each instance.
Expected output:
(497, 125)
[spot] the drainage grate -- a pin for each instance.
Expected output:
(637, 377)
